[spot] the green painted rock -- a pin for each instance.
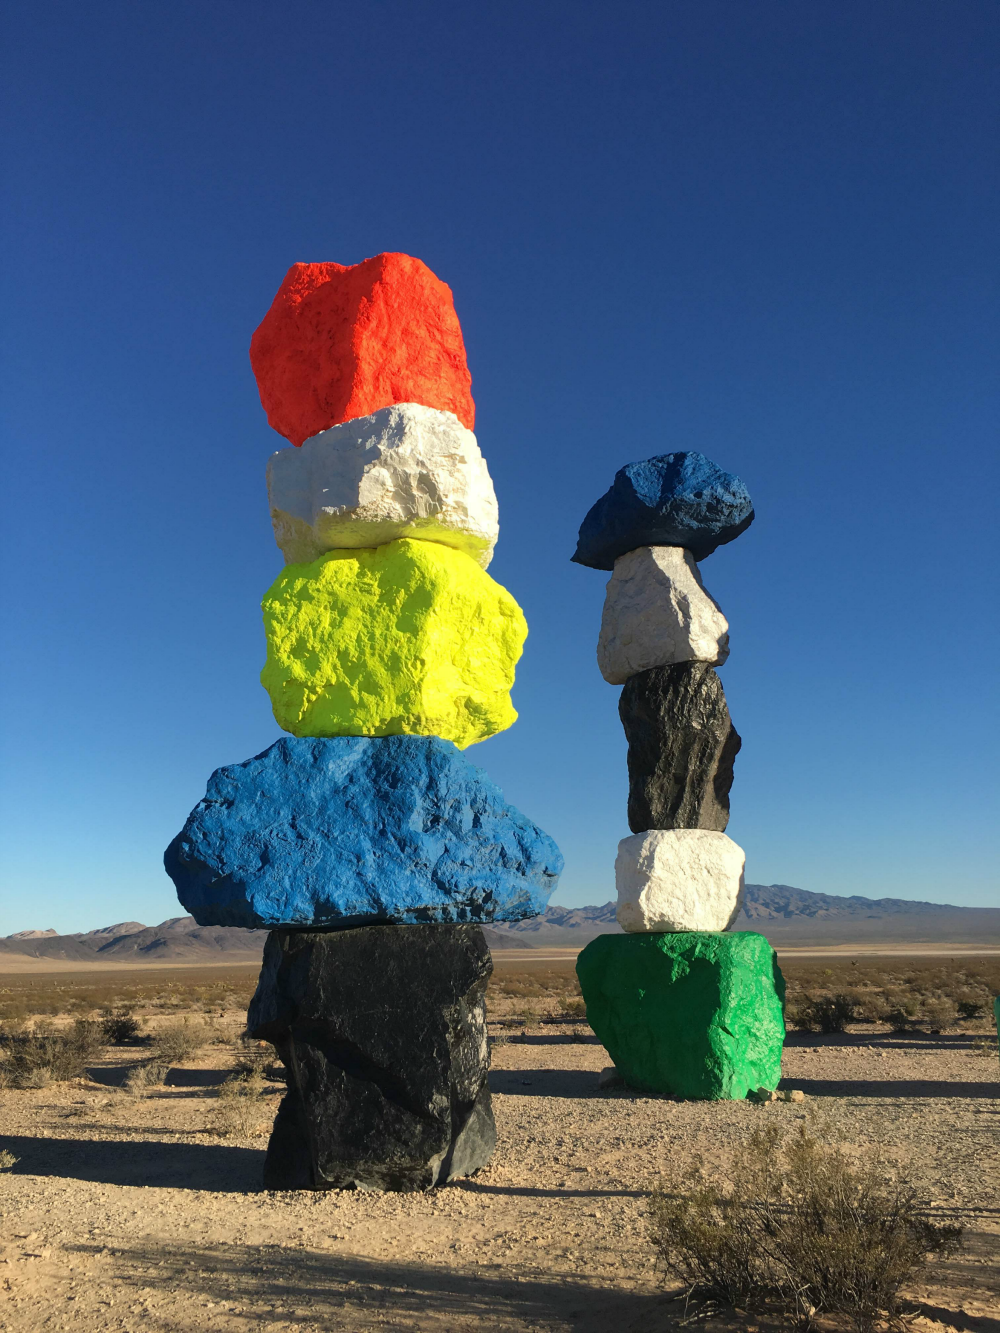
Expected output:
(693, 1014)
(410, 638)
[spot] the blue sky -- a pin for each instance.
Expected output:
(765, 232)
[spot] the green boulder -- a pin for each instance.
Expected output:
(693, 1014)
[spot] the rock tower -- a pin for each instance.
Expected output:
(682, 1005)
(365, 842)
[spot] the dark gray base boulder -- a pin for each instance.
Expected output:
(681, 748)
(382, 1030)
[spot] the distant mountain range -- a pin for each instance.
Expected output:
(785, 915)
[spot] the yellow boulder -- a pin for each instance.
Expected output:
(409, 638)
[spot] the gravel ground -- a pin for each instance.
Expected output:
(137, 1215)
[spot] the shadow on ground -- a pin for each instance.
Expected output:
(195, 1166)
(544, 1082)
(278, 1285)
(821, 1087)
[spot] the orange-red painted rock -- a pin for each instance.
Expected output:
(344, 341)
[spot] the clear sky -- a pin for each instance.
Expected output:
(767, 232)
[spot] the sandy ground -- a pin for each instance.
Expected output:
(137, 1215)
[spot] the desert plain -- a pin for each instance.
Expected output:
(140, 1208)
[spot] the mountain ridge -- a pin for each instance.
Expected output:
(786, 915)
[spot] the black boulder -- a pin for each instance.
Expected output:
(383, 1033)
(681, 748)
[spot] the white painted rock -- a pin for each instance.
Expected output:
(404, 471)
(656, 612)
(678, 879)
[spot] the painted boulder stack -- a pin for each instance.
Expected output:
(365, 841)
(682, 1004)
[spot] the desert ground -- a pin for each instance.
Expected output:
(141, 1208)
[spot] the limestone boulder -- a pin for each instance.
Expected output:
(353, 831)
(678, 879)
(680, 499)
(687, 1015)
(656, 612)
(344, 340)
(681, 748)
(383, 1033)
(409, 638)
(405, 471)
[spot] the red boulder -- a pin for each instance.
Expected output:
(342, 341)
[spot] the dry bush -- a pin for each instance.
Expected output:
(253, 1058)
(34, 1057)
(940, 1011)
(139, 1080)
(241, 1110)
(7, 1160)
(120, 1027)
(823, 1013)
(804, 1230)
(181, 1041)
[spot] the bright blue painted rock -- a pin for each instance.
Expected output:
(353, 830)
(670, 500)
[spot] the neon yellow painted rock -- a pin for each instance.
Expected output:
(409, 638)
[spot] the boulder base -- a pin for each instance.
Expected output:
(357, 831)
(657, 612)
(691, 1015)
(383, 1033)
(342, 341)
(411, 638)
(681, 748)
(406, 471)
(679, 499)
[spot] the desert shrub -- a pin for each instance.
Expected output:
(7, 1160)
(120, 1027)
(972, 1003)
(241, 1110)
(804, 1229)
(253, 1059)
(139, 1080)
(902, 1019)
(824, 1013)
(180, 1041)
(34, 1057)
(984, 1046)
(940, 1011)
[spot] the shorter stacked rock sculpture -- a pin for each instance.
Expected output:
(682, 1005)
(365, 842)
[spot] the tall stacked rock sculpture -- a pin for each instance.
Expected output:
(364, 842)
(683, 1005)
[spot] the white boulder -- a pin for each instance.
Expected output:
(404, 471)
(678, 879)
(656, 612)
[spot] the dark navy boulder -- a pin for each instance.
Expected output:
(331, 833)
(671, 500)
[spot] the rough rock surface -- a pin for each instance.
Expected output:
(656, 612)
(342, 341)
(681, 748)
(411, 637)
(383, 1033)
(405, 471)
(671, 500)
(678, 879)
(690, 1015)
(335, 833)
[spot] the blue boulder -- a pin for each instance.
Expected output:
(670, 500)
(354, 830)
